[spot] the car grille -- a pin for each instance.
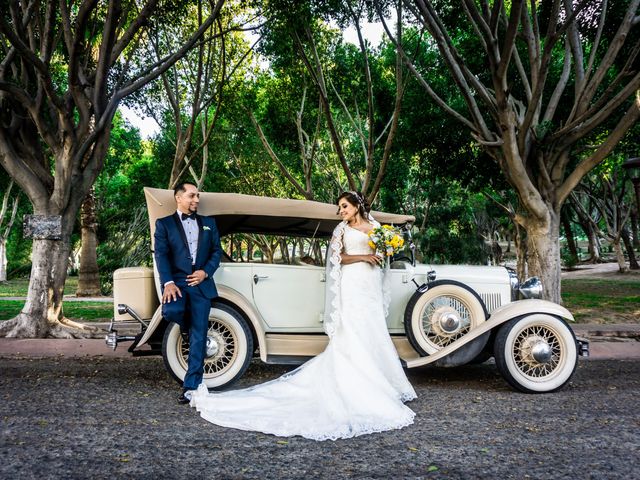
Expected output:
(491, 301)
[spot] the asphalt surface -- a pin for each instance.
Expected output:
(100, 417)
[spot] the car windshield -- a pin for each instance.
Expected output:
(276, 249)
(292, 250)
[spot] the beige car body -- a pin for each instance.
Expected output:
(139, 287)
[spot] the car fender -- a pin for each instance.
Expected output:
(227, 295)
(526, 307)
(247, 309)
(153, 325)
(499, 316)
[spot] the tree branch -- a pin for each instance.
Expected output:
(274, 157)
(626, 122)
(434, 96)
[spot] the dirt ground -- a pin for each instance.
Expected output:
(608, 296)
(604, 271)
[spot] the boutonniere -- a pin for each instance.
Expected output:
(205, 228)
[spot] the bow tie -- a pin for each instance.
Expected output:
(184, 216)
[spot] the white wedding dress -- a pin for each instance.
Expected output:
(356, 386)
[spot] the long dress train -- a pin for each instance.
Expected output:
(356, 386)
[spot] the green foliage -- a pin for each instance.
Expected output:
(123, 228)
(568, 259)
(18, 248)
(446, 214)
(435, 170)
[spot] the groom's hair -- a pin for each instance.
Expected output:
(180, 187)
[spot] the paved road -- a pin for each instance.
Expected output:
(98, 417)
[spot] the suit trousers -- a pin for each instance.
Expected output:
(191, 311)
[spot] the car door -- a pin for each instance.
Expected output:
(290, 298)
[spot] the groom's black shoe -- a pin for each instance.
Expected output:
(185, 397)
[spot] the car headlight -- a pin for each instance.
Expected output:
(531, 288)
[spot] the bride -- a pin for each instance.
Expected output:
(357, 385)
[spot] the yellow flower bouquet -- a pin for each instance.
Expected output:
(386, 240)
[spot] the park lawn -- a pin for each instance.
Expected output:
(73, 309)
(17, 287)
(80, 311)
(609, 301)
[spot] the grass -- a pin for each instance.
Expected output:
(81, 311)
(602, 301)
(18, 287)
(73, 309)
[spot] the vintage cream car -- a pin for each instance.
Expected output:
(443, 315)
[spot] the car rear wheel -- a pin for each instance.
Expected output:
(229, 348)
(536, 353)
(436, 318)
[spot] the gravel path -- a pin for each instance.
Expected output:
(117, 418)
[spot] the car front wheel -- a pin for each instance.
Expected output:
(444, 313)
(536, 353)
(229, 348)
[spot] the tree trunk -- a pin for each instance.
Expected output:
(543, 259)
(622, 263)
(568, 233)
(284, 249)
(3, 260)
(88, 275)
(249, 250)
(634, 229)
(42, 314)
(628, 245)
(521, 253)
(317, 250)
(594, 244)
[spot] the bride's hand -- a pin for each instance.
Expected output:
(372, 259)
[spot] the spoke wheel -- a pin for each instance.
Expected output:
(228, 352)
(446, 312)
(536, 353)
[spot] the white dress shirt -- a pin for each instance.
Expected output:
(190, 227)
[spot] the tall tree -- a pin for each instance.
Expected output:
(190, 94)
(359, 123)
(558, 91)
(65, 67)
(606, 193)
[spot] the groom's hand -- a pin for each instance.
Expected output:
(196, 278)
(171, 293)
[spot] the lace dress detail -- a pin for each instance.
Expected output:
(356, 386)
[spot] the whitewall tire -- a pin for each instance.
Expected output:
(536, 353)
(229, 348)
(444, 313)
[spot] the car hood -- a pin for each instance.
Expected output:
(466, 273)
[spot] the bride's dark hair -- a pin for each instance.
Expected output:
(357, 200)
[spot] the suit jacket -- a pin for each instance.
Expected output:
(173, 258)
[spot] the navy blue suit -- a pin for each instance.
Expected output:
(191, 311)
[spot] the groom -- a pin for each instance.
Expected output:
(187, 253)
